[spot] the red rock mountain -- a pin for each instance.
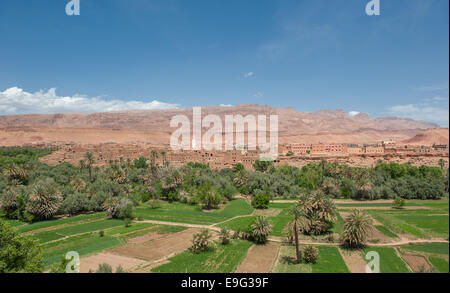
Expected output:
(294, 126)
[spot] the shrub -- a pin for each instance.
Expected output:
(119, 208)
(154, 204)
(201, 241)
(261, 201)
(310, 254)
(141, 163)
(224, 236)
(399, 203)
(104, 268)
(127, 222)
(101, 233)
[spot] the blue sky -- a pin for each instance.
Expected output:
(311, 55)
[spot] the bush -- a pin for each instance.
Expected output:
(127, 222)
(141, 163)
(75, 203)
(261, 201)
(310, 254)
(201, 241)
(224, 236)
(119, 208)
(101, 233)
(399, 203)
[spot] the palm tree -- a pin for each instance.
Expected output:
(261, 228)
(81, 165)
(356, 229)
(295, 224)
(44, 200)
(153, 158)
(16, 173)
(90, 161)
(163, 154)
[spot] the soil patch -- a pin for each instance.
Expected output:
(92, 262)
(354, 260)
(163, 247)
(260, 259)
(416, 262)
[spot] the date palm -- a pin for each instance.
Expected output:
(356, 229)
(294, 227)
(89, 163)
(261, 229)
(44, 200)
(16, 173)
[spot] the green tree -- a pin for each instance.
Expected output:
(18, 253)
(90, 162)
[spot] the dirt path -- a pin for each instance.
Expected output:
(260, 259)
(278, 239)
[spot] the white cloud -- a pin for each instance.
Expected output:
(438, 115)
(226, 105)
(353, 113)
(258, 95)
(249, 74)
(17, 101)
(432, 88)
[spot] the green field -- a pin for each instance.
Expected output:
(55, 222)
(184, 213)
(389, 261)
(440, 264)
(329, 261)
(432, 248)
(50, 235)
(222, 259)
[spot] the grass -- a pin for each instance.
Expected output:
(437, 224)
(440, 264)
(184, 213)
(238, 223)
(57, 222)
(84, 244)
(222, 259)
(433, 248)
(329, 261)
(55, 234)
(389, 261)
(420, 223)
(386, 231)
(338, 225)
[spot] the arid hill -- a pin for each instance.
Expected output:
(430, 137)
(153, 126)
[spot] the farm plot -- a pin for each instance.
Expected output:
(260, 259)
(184, 213)
(156, 248)
(390, 262)
(55, 234)
(221, 259)
(427, 256)
(329, 261)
